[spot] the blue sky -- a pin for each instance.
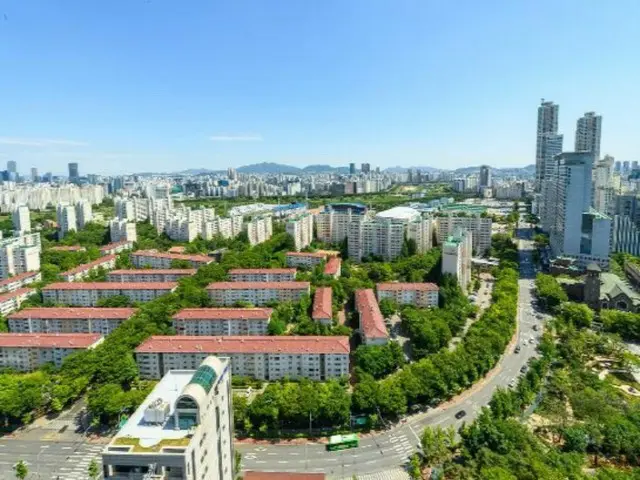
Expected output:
(139, 85)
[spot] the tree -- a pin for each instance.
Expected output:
(93, 470)
(21, 470)
(179, 263)
(388, 307)
(414, 467)
(437, 444)
(577, 314)
(379, 360)
(549, 291)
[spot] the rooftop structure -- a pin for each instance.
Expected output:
(322, 305)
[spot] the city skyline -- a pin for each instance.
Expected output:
(381, 89)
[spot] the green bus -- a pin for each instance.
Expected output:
(342, 442)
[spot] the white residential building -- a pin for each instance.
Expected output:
(121, 230)
(21, 220)
(82, 271)
(300, 227)
(19, 254)
(66, 218)
(18, 281)
(182, 430)
(10, 301)
(305, 259)
(84, 213)
(547, 126)
(479, 227)
(181, 229)
(222, 321)
(259, 229)
(163, 260)
(150, 275)
(332, 224)
(25, 352)
(88, 294)
(456, 257)
(256, 293)
(266, 358)
(68, 320)
(115, 248)
(422, 295)
(262, 274)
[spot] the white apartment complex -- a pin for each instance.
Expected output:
(88, 294)
(122, 230)
(266, 358)
(305, 260)
(163, 260)
(456, 257)
(116, 247)
(25, 352)
(68, 320)
(371, 323)
(18, 281)
(300, 227)
(11, 301)
(40, 196)
(21, 220)
(84, 213)
(149, 275)
(182, 430)
(259, 229)
(66, 218)
(107, 262)
(262, 274)
(332, 224)
(256, 293)
(479, 227)
(19, 254)
(422, 295)
(222, 321)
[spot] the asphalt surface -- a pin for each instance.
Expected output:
(389, 450)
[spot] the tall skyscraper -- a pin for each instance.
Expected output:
(73, 172)
(617, 167)
(34, 174)
(588, 133)
(547, 125)
(485, 176)
(625, 167)
(12, 167)
(352, 168)
(365, 168)
(634, 165)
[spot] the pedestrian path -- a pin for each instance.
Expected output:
(77, 464)
(394, 474)
(401, 444)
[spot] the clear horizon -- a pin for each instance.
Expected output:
(160, 86)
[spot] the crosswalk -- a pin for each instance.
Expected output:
(77, 465)
(401, 444)
(394, 474)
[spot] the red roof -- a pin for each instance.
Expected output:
(18, 278)
(173, 256)
(371, 320)
(258, 271)
(16, 293)
(258, 285)
(322, 303)
(111, 286)
(223, 314)
(68, 248)
(282, 476)
(159, 271)
(48, 340)
(423, 287)
(245, 344)
(86, 266)
(332, 266)
(109, 246)
(74, 313)
(177, 249)
(306, 254)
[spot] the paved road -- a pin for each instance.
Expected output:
(386, 452)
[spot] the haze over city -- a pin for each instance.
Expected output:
(133, 86)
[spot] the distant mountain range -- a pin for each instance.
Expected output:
(267, 168)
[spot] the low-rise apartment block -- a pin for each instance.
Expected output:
(83, 271)
(68, 320)
(155, 259)
(68, 248)
(372, 328)
(11, 301)
(116, 247)
(305, 259)
(182, 431)
(150, 275)
(262, 274)
(21, 280)
(421, 295)
(322, 310)
(222, 321)
(87, 294)
(333, 267)
(256, 293)
(265, 358)
(25, 352)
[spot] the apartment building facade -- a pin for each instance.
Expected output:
(87, 294)
(256, 293)
(122, 230)
(479, 227)
(266, 358)
(259, 229)
(222, 321)
(163, 260)
(19, 281)
(306, 260)
(262, 274)
(82, 271)
(332, 224)
(12, 300)
(116, 247)
(150, 275)
(102, 321)
(19, 254)
(371, 322)
(300, 227)
(456, 257)
(422, 295)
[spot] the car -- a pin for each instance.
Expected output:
(460, 414)
(517, 350)
(535, 327)
(523, 369)
(531, 340)
(512, 383)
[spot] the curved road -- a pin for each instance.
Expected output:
(390, 449)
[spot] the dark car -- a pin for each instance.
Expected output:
(517, 350)
(460, 414)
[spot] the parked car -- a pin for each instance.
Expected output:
(517, 350)
(460, 414)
